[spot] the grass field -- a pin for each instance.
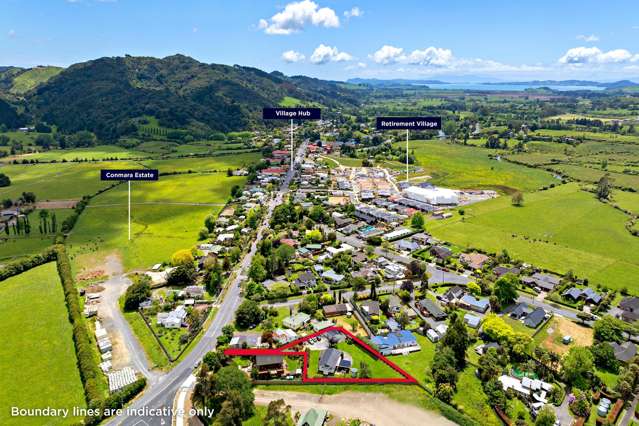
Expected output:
(99, 152)
(466, 167)
(158, 228)
(37, 358)
(588, 174)
(12, 246)
(627, 200)
(220, 163)
(59, 181)
(560, 229)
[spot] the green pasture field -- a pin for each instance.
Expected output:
(289, 101)
(12, 246)
(100, 152)
(592, 175)
(469, 167)
(595, 136)
(560, 229)
(219, 163)
(60, 181)
(537, 158)
(627, 201)
(37, 357)
(160, 225)
(471, 400)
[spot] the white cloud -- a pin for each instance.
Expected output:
(357, 66)
(387, 54)
(434, 56)
(431, 56)
(353, 13)
(298, 14)
(594, 55)
(589, 38)
(323, 54)
(195, 29)
(11, 33)
(292, 56)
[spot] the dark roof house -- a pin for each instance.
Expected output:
(428, 307)
(535, 318)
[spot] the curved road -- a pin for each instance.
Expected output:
(154, 406)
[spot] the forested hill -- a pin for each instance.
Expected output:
(106, 95)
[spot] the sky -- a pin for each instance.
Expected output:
(451, 40)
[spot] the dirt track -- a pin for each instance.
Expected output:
(375, 408)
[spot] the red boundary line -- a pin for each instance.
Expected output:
(406, 378)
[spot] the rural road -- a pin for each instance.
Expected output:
(375, 408)
(154, 406)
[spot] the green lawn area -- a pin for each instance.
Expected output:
(258, 417)
(153, 350)
(459, 166)
(471, 400)
(159, 229)
(560, 229)
(377, 368)
(170, 337)
(219, 163)
(627, 201)
(12, 246)
(518, 326)
(589, 174)
(37, 357)
(418, 364)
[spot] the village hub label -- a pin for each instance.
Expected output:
(291, 114)
(409, 123)
(119, 175)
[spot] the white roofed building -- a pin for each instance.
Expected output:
(432, 195)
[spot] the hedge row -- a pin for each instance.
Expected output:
(116, 400)
(19, 266)
(90, 372)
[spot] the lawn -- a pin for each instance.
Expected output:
(418, 364)
(469, 167)
(471, 400)
(159, 228)
(592, 175)
(377, 368)
(147, 340)
(560, 229)
(37, 357)
(553, 333)
(219, 163)
(627, 201)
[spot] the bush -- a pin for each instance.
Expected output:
(19, 266)
(116, 400)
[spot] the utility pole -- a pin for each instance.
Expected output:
(129, 210)
(292, 147)
(406, 155)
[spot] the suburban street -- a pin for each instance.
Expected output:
(155, 404)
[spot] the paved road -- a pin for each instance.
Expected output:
(630, 412)
(159, 396)
(113, 320)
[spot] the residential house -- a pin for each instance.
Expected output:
(484, 347)
(370, 308)
(470, 302)
(397, 342)
(332, 276)
(452, 295)
(588, 295)
(297, 321)
(503, 270)
(440, 252)
(244, 340)
(472, 321)
(284, 335)
(519, 311)
(194, 291)
(269, 365)
(306, 280)
(336, 310)
(393, 271)
(624, 352)
(430, 308)
(544, 282)
(406, 245)
(173, 319)
(333, 360)
(474, 260)
(535, 318)
(313, 417)
(394, 304)
(629, 309)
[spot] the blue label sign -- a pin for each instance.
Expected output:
(291, 114)
(143, 174)
(409, 123)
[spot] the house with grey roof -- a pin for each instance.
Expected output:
(333, 360)
(624, 352)
(297, 321)
(470, 302)
(430, 308)
(535, 318)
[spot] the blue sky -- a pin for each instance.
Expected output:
(453, 39)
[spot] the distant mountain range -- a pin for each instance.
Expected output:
(541, 83)
(107, 95)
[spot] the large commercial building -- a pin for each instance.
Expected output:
(432, 195)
